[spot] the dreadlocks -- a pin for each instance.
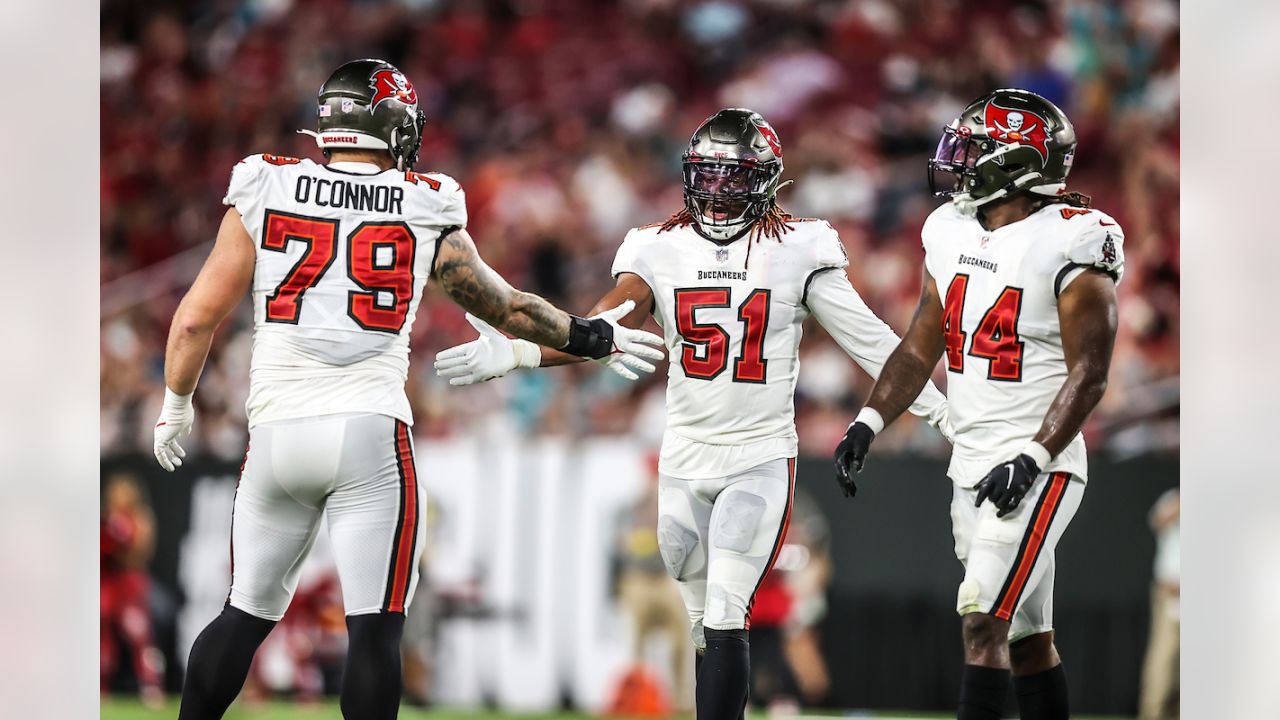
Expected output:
(1073, 198)
(774, 223)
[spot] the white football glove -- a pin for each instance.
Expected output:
(493, 354)
(176, 418)
(630, 342)
(489, 356)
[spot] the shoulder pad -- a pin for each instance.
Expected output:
(1095, 240)
(244, 176)
(439, 199)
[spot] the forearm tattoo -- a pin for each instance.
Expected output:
(483, 293)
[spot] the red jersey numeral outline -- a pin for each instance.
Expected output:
(711, 338)
(952, 311)
(284, 304)
(750, 365)
(996, 337)
(395, 278)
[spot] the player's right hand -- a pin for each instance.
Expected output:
(631, 341)
(851, 453)
(489, 356)
(176, 418)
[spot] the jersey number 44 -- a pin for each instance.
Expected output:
(996, 338)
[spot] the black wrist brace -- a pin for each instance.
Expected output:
(589, 338)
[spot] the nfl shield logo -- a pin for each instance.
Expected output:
(985, 239)
(722, 254)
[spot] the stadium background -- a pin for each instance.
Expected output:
(564, 122)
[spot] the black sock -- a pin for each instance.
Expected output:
(722, 679)
(219, 663)
(1043, 696)
(982, 693)
(372, 681)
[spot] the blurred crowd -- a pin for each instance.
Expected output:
(564, 121)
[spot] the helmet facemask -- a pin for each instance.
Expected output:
(1004, 143)
(725, 197)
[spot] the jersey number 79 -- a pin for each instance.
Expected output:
(996, 338)
(391, 273)
(749, 366)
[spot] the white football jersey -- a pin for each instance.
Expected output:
(343, 254)
(999, 290)
(731, 316)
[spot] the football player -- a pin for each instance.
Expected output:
(337, 256)
(1019, 294)
(731, 278)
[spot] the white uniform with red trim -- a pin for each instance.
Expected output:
(732, 315)
(1005, 362)
(343, 254)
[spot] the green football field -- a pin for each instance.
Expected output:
(131, 710)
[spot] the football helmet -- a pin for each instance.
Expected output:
(369, 104)
(1003, 143)
(731, 172)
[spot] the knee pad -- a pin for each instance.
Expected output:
(676, 544)
(737, 519)
(968, 597)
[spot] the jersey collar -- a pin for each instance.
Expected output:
(355, 168)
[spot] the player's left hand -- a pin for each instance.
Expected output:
(851, 453)
(1008, 483)
(175, 421)
(632, 341)
(489, 356)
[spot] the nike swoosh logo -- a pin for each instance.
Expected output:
(1009, 483)
(1104, 222)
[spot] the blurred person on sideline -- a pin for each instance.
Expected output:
(808, 577)
(1026, 322)
(1160, 686)
(651, 598)
(788, 670)
(730, 278)
(336, 257)
(127, 540)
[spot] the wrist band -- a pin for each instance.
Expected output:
(175, 401)
(1038, 453)
(869, 417)
(589, 338)
(527, 354)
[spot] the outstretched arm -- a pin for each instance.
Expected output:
(629, 287)
(864, 336)
(904, 374)
(222, 282)
(484, 293)
(490, 302)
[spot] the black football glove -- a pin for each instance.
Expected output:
(1008, 483)
(851, 453)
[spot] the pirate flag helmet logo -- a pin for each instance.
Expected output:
(1005, 142)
